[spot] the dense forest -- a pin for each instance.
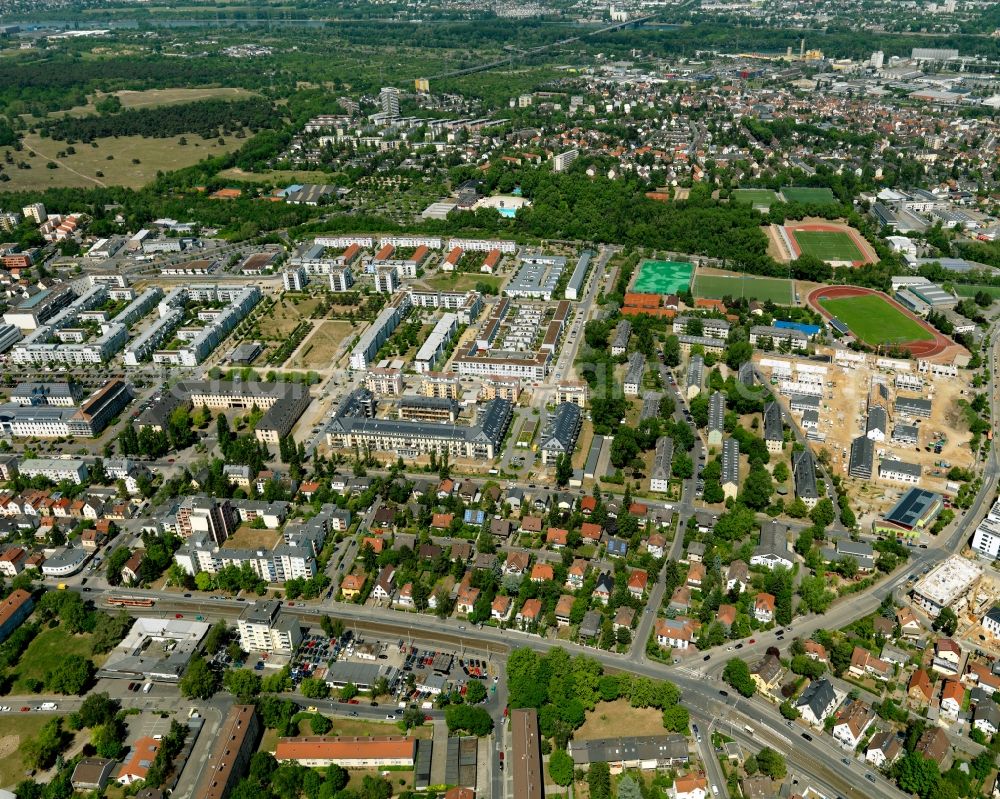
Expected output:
(205, 117)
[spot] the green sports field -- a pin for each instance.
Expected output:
(714, 287)
(755, 197)
(808, 196)
(875, 321)
(663, 277)
(827, 245)
(971, 290)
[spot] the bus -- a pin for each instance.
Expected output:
(131, 601)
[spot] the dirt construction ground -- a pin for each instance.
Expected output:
(842, 418)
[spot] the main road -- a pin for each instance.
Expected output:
(816, 760)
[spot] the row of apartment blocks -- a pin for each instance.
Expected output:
(62, 339)
(57, 421)
(430, 242)
(464, 305)
(241, 301)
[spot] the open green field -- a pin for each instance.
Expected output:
(756, 197)
(14, 730)
(49, 647)
(875, 321)
(971, 290)
(318, 350)
(662, 277)
(828, 245)
(150, 98)
(462, 281)
(276, 176)
(778, 290)
(80, 169)
(808, 196)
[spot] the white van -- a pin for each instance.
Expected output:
(48, 706)
(146, 687)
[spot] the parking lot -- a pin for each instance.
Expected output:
(417, 675)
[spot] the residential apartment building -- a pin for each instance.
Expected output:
(263, 629)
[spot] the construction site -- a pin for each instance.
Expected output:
(907, 410)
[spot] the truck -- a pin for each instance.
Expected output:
(48, 706)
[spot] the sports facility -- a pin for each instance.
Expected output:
(778, 290)
(662, 277)
(967, 290)
(876, 319)
(758, 198)
(834, 242)
(807, 195)
(827, 245)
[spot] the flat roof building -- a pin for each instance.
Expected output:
(947, 585)
(526, 760)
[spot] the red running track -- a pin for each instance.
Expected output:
(918, 349)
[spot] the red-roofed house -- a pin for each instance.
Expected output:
(637, 582)
(140, 759)
(541, 572)
(763, 608)
(530, 612)
(564, 607)
(556, 537)
(502, 606)
(442, 521)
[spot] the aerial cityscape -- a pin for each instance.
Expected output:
(493, 400)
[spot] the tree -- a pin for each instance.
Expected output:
(672, 351)
(676, 719)
(780, 471)
(349, 691)
(561, 767)
(564, 470)
(244, 684)
(413, 717)
(475, 692)
(946, 622)
(319, 724)
(599, 780)
(98, 709)
(771, 763)
(337, 777)
(70, 675)
(109, 739)
(475, 720)
(757, 489)
(737, 674)
(823, 514)
(333, 628)
(199, 681)
(314, 688)
(41, 751)
(916, 774)
(628, 788)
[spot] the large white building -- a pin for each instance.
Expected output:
(947, 585)
(986, 539)
(262, 629)
(56, 469)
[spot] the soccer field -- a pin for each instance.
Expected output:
(663, 277)
(714, 287)
(875, 321)
(827, 245)
(756, 197)
(808, 196)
